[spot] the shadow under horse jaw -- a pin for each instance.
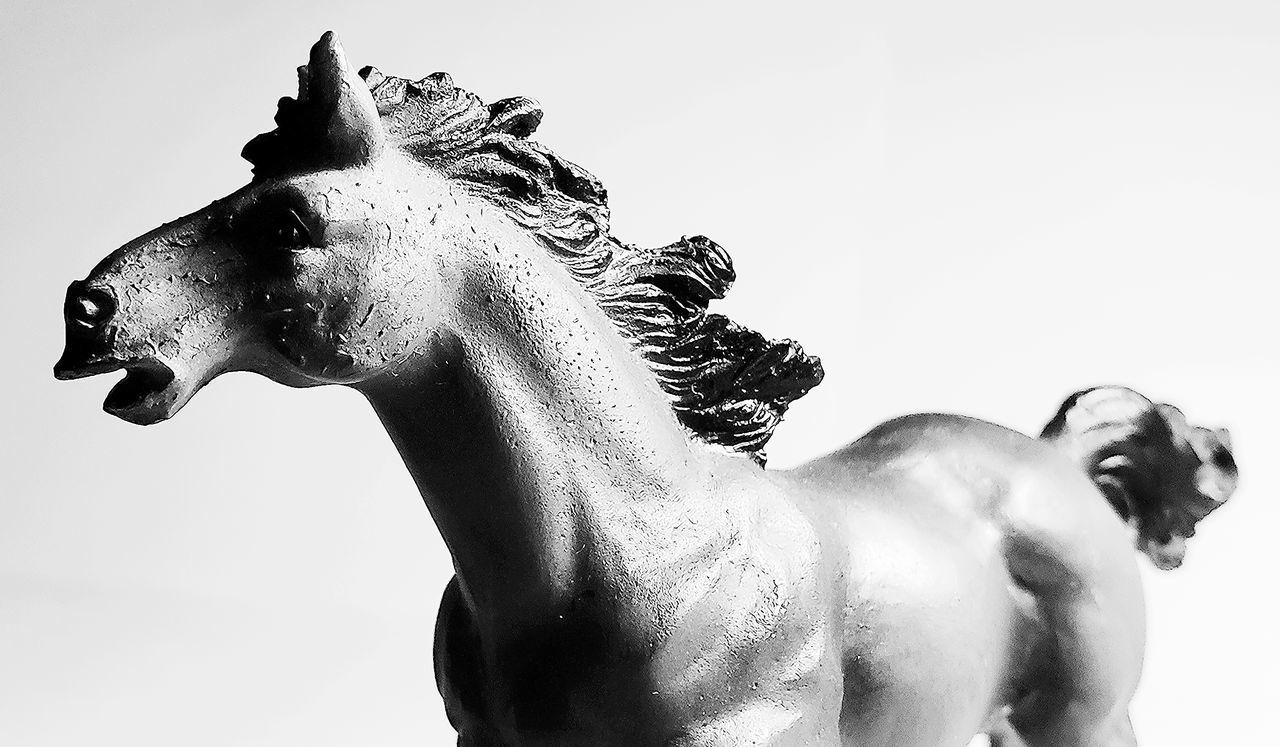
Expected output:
(588, 439)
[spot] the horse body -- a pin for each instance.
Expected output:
(972, 549)
(587, 438)
(914, 583)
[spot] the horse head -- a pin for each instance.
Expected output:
(375, 204)
(316, 272)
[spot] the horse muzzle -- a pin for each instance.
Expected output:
(147, 393)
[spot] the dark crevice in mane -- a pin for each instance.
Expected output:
(728, 384)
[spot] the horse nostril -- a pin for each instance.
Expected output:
(91, 307)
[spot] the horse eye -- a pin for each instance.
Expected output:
(290, 232)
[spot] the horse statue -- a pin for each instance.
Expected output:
(588, 439)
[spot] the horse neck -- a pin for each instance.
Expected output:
(542, 445)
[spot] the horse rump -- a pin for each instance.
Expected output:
(1161, 474)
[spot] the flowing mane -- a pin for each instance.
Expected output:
(728, 384)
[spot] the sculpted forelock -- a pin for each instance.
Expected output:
(728, 384)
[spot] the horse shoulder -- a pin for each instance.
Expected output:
(756, 654)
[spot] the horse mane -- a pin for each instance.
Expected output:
(727, 384)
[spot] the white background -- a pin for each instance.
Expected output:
(975, 207)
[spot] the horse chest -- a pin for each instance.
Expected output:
(570, 680)
(582, 678)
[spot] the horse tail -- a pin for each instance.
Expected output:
(1161, 474)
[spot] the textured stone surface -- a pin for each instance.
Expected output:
(588, 436)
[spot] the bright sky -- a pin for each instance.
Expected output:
(973, 207)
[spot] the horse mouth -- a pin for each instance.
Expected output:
(145, 395)
(141, 391)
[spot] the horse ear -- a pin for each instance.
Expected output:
(517, 117)
(351, 128)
